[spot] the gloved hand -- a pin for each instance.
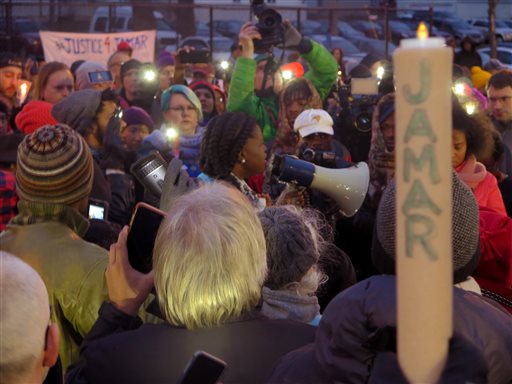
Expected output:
(292, 37)
(177, 182)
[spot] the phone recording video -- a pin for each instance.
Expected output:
(203, 368)
(99, 77)
(142, 234)
(97, 209)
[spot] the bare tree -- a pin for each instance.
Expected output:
(492, 26)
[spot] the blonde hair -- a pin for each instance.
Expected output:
(209, 258)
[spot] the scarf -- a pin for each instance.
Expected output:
(471, 172)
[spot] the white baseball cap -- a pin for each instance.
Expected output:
(313, 121)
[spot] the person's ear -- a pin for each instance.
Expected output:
(51, 352)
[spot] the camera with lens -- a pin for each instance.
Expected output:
(327, 159)
(269, 25)
(358, 100)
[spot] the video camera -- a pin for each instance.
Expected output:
(269, 25)
(358, 99)
(327, 159)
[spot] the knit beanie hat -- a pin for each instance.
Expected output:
(202, 84)
(34, 114)
(479, 77)
(185, 91)
(136, 115)
(291, 248)
(82, 74)
(130, 64)
(78, 110)
(465, 231)
(54, 165)
(164, 59)
(8, 59)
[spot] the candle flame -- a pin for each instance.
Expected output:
(23, 89)
(422, 31)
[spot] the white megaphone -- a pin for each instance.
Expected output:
(346, 186)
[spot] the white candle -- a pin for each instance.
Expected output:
(423, 74)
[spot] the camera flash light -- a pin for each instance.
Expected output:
(224, 64)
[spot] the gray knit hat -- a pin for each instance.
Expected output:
(78, 110)
(291, 248)
(54, 165)
(465, 231)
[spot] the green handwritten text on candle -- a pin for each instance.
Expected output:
(418, 229)
(419, 208)
(425, 82)
(419, 125)
(427, 156)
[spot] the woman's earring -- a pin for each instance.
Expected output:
(243, 161)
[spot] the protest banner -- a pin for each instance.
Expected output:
(68, 47)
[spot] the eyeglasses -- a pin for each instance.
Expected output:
(502, 99)
(183, 109)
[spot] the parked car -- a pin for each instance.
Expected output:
(503, 54)
(398, 30)
(503, 32)
(345, 30)
(228, 28)
(372, 46)
(369, 28)
(221, 46)
(310, 27)
(166, 37)
(460, 29)
(24, 39)
(203, 29)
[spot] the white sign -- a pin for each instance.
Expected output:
(68, 47)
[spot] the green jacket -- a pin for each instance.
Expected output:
(322, 73)
(47, 237)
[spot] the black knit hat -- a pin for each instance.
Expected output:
(8, 59)
(291, 248)
(130, 64)
(465, 231)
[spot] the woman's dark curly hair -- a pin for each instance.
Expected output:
(222, 142)
(478, 130)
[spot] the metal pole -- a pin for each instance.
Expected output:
(386, 32)
(110, 17)
(211, 33)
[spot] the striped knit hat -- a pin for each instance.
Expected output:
(54, 165)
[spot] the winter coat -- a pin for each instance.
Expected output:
(242, 98)
(483, 184)
(348, 349)
(158, 353)
(47, 237)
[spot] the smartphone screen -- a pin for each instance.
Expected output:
(99, 77)
(141, 238)
(203, 368)
(96, 212)
(98, 209)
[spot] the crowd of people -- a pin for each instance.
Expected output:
(271, 277)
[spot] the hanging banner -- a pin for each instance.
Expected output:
(68, 47)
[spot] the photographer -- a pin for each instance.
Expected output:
(256, 84)
(317, 145)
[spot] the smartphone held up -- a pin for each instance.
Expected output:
(144, 226)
